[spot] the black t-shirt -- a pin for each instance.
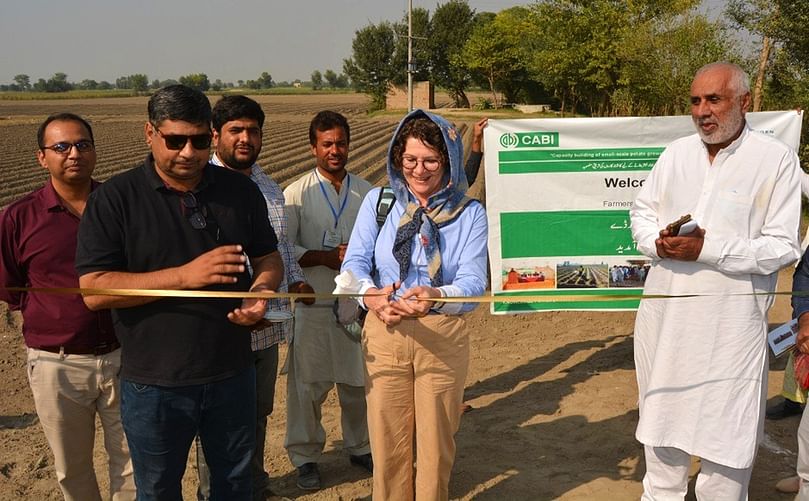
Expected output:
(134, 223)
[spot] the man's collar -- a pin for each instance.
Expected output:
(215, 160)
(156, 182)
(51, 200)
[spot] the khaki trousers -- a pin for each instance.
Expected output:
(68, 392)
(415, 374)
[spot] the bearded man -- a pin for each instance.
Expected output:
(702, 360)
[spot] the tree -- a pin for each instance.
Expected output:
(265, 81)
(139, 81)
(369, 66)
(197, 81)
(450, 27)
(760, 17)
(104, 85)
(88, 84)
(317, 80)
(334, 80)
(23, 81)
(496, 49)
(217, 85)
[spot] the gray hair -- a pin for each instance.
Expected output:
(739, 80)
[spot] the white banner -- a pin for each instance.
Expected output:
(558, 194)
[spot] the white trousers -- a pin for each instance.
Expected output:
(803, 458)
(666, 477)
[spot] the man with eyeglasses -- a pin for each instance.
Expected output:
(73, 356)
(322, 207)
(237, 133)
(177, 222)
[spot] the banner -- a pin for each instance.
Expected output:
(558, 194)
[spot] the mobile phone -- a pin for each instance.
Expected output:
(674, 227)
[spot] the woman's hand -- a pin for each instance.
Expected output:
(378, 301)
(409, 306)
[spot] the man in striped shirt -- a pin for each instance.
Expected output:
(237, 133)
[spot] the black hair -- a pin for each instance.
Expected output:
(231, 108)
(327, 120)
(61, 117)
(179, 102)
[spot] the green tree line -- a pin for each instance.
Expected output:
(596, 57)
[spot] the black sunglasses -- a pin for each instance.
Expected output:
(196, 215)
(178, 141)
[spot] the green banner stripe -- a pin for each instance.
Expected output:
(624, 303)
(627, 304)
(581, 160)
(588, 154)
(566, 233)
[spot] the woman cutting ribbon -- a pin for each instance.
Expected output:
(432, 245)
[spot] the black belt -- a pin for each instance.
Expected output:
(101, 349)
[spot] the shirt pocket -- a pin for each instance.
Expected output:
(733, 211)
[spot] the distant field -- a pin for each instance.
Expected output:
(118, 127)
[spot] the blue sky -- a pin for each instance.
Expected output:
(227, 39)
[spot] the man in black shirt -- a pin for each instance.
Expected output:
(177, 222)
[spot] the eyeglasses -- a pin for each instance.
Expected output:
(430, 164)
(62, 148)
(178, 141)
(197, 214)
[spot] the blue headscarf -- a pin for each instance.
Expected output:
(443, 207)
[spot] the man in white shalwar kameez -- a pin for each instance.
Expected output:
(321, 209)
(702, 361)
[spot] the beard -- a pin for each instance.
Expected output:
(725, 130)
(230, 159)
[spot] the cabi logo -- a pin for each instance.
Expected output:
(509, 140)
(529, 140)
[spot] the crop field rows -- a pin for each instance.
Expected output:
(584, 276)
(118, 130)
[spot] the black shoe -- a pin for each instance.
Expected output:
(308, 477)
(784, 409)
(364, 461)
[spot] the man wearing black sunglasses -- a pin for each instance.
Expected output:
(177, 222)
(73, 357)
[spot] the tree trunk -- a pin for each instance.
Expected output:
(494, 93)
(764, 57)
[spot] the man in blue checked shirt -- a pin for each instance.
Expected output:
(237, 132)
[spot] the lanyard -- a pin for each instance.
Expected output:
(335, 213)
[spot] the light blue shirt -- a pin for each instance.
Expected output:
(463, 253)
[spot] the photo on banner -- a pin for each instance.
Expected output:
(558, 194)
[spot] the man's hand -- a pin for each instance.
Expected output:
(302, 288)
(378, 301)
(477, 134)
(331, 258)
(250, 313)
(218, 266)
(802, 341)
(409, 307)
(682, 248)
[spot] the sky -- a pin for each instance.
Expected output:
(227, 39)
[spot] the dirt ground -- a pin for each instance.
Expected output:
(554, 400)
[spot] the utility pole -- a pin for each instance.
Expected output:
(409, 56)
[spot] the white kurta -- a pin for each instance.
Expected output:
(702, 362)
(323, 351)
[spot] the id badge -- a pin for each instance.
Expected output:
(331, 239)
